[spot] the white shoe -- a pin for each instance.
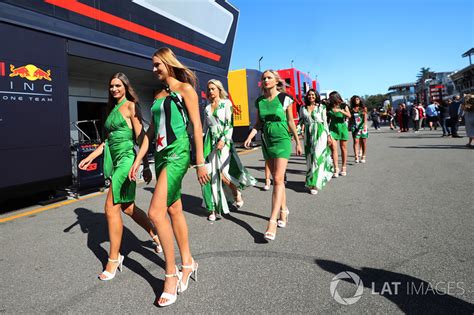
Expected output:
(270, 236)
(158, 247)
(282, 223)
(212, 217)
(363, 159)
(184, 285)
(110, 275)
(171, 297)
(336, 173)
(313, 191)
(266, 187)
(357, 159)
(239, 202)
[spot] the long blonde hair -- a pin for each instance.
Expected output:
(175, 68)
(222, 92)
(280, 83)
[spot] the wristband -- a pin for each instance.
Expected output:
(198, 165)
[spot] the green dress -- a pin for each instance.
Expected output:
(338, 126)
(172, 143)
(119, 155)
(276, 139)
(319, 166)
(218, 125)
(359, 125)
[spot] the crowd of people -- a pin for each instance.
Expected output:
(325, 126)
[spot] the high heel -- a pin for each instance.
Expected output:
(158, 247)
(343, 172)
(357, 159)
(363, 159)
(282, 223)
(171, 297)
(336, 173)
(267, 186)
(194, 268)
(110, 275)
(239, 202)
(212, 217)
(270, 236)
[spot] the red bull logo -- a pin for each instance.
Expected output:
(30, 72)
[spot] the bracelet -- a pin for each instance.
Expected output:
(198, 165)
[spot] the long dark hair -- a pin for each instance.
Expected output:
(335, 99)
(353, 102)
(129, 91)
(317, 100)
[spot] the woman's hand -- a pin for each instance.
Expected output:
(299, 150)
(132, 174)
(147, 175)
(202, 175)
(247, 143)
(220, 145)
(84, 164)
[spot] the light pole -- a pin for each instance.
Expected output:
(292, 63)
(259, 63)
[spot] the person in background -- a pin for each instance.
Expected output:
(454, 111)
(375, 117)
(228, 175)
(337, 114)
(432, 115)
(313, 119)
(422, 115)
(444, 118)
(415, 115)
(274, 118)
(123, 125)
(359, 128)
(467, 110)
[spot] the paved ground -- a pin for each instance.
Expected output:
(403, 223)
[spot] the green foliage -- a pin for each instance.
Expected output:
(375, 101)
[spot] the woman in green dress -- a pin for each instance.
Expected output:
(358, 126)
(316, 142)
(337, 114)
(172, 109)
(123, 125)
(220, 155)
(274, 118)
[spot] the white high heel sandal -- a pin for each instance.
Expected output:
(110, 275)
(171, 297)
(282, 223)
(270, 236)
(238, 197)
(158, 247)
(194, 266)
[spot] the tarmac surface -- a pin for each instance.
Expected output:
(401, 225)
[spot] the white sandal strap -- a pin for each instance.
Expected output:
(168, 296)
(107, 274)
(172, 275)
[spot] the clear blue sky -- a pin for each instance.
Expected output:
(354, 46)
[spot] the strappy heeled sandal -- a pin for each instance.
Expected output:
(110, 275)
(171, 298)
(270, 236)
(281, 223)
(194, 268)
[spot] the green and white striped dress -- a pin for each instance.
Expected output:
(318, 154)
(218, 125)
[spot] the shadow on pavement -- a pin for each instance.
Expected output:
(414, 296)
(433, 146)
(95, 226)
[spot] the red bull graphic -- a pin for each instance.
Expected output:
(2, 69)
(30, 72)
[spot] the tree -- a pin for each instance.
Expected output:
(425, 73)
(375, 101)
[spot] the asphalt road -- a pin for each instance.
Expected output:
(401, 224)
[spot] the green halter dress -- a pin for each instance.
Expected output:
(172, 143)
(119, 155)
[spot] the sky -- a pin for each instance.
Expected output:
(357, 47)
